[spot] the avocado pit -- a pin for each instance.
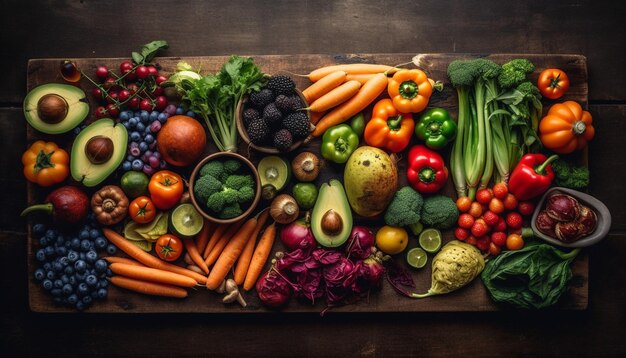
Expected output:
(52, 108)
(99, 149)
(332, 224)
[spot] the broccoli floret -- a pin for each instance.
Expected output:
(440, 212)
(231, 166)
(404, 209)
(217, 201)
(569, 175)
(462, 73)
(239, 181)
(246, 194)
(230, 211)
(514, 72)
(214, 168)
(486, 70)
(529, 90)
(205, 186)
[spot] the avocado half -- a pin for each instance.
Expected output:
(55, 108)
(83, 164)
(331, 196)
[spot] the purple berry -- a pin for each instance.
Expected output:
(148, 169)
(155, 126)
(163, 164)
(170, 109)
(135, 151)
(154, 162)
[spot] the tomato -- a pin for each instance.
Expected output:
(166, 189)
(463, 204)
(461, 234)
(514, 242)
(510, 202)
(169, 247)
(496, 205)
(476, 210)
(500, 191)
(526, 208)
(465, 221)
(553, 83)
(142, 210)
(45, 163)
(494, 249)
(484, 196)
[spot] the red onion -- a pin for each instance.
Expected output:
(562, 207)
(545, 224)
(360, 243)
(297, 235)
(274, 291)
(587, 219)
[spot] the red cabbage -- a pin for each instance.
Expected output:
(360, 243)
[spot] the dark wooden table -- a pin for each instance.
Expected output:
(41, 29)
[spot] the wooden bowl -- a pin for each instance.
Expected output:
(222, 156)
(241, 128)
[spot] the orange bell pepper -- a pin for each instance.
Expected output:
(410, 90)
(388, 128)
(45, 163)
(166, 188)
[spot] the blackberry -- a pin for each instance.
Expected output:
(258, 131)
(296, 102)
(283, 140)
(250, 115)
(283, 103)
(281, 85)
(262, 98)
(298, 124)
(272, 115)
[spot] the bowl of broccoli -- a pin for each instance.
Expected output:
(225, 187)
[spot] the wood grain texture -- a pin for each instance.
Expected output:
(195, 28)
(472, 298)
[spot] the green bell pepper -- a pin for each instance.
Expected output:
(357, 123)
(338, 143)
(436, 128)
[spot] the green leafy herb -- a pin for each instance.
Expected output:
(215, 97)
(148, 51)
(568, 175)
(535, 276)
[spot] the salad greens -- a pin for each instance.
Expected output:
(533, 277)
(215, 97)
(148, 51)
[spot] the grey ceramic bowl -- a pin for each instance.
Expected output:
(602, 212)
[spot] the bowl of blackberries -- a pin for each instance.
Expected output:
(274, 119)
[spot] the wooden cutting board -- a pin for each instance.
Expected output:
(474, 297)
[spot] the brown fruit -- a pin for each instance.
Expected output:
(181, 141)
(99, 149)
(52, 108)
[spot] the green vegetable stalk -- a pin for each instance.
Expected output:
(535, 276)
(215, 97)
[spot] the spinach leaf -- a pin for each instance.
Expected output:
(535, 276)
(148, 51)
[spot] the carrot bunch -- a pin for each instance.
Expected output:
(215, 252)
(339, 92)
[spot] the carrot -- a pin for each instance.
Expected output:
(148, 288)
(192, 250)
(203, 237)
(361, 77)
(221, 244)
(261, 253)
(231, 253)
(335, 97)
(147, 259)
(366, 95)
(351, 68)
(244, 260)
(123, 260)
(324, 85)
(316, 116)
(152, 275)
(215, 237)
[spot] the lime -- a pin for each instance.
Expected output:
(416, 257)
(430, 240)
(305, 195)
(186, 221)
(134, 184)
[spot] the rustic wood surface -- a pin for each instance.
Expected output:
(472, 298)
(62, 29)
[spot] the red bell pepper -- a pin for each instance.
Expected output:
(532, 176)
(426, 170)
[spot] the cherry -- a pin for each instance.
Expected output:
(102, 72)
(109, 82)
(125, 67)
(97, 94)
(113, 110)
(157, 91)
(142, 72)
(161, 102)
(123, 95)
(153, 71)
(146, 105)
(132, 88)
(101, 112)
(134, 102)
(112, 97)
(160, 79)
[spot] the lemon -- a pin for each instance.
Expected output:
(416, 257)
(430, 240)
(392, 240)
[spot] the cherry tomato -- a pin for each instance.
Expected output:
(526, 208)
(166, 189)
(510, 202)
(483, 196)
(102, 72)
(142, 210)
(146, 105)
(126, 66)
(496, 205)
(491, 218)
(463, 204)
(482, 243)
(465, 221)
(514, 242)
(494, 249)
(553, 83)
(514, 221)
(479, 228)
(168, 247)
(498, 238)
(142, 72)
(476, 210)
(500, 191)
(461, 234)
(471, 240)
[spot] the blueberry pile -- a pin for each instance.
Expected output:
(70, 268)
